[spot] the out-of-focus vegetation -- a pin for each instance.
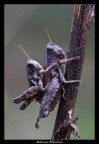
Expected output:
(24, 25)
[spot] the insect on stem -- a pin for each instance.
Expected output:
(47, 34)
(22, 50)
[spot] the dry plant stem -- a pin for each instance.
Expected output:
(82, 21)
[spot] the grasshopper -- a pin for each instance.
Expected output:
(49, 94)
(54, 78)
(34, 70)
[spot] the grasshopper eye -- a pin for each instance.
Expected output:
(30, 66)
(49, 50)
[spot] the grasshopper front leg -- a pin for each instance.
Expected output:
(42, 71)
(63, 61)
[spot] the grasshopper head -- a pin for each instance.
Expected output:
(33, 64)
(33, 67)
(55, 50)
(30, 62)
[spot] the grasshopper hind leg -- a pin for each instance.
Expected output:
(25, 103)
(28, 101)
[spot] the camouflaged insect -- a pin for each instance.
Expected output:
(55, 78)
(34, 70)
(46, 90)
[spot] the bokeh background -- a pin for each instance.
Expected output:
(23, 24)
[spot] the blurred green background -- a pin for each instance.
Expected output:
(24, 25)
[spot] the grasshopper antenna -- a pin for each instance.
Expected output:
(47, 34)
(23, 51)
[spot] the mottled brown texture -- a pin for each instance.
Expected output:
(82, 20)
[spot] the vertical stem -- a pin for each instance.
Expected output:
(82, 21)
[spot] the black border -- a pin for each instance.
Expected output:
(2, 97)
